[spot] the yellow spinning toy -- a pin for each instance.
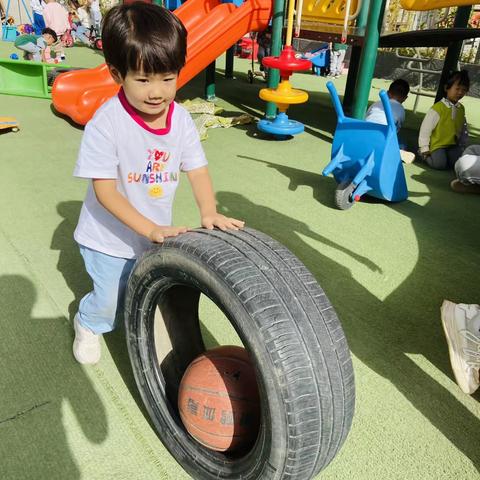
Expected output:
(284, 95)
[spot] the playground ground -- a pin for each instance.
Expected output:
(386, 268)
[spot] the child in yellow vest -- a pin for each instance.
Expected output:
(443, 134)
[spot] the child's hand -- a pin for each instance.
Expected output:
(159, 233)
(222, 222)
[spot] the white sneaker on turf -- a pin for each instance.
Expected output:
(86, 346)
(461, 323)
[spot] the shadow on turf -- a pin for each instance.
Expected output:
(40, 381)
(66, 118)
(387, 334)
(70, 265)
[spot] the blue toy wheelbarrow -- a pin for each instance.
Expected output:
(365, 157)
(320, 59)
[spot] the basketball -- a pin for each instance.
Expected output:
(218, 399)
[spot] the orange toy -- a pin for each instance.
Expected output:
(218, 399)
(212, 27)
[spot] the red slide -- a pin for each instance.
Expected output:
(212, 27)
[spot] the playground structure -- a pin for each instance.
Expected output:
(284, 95)
(28, 78)
(365, 157)
(362, 29)
(212, 27)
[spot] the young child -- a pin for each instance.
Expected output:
(38, 21)
(264, 41)
(397, 93)
(467, 170)
(132, 152)
(95, 14)
(34, 46)
(443, 133)
(337, 55)
(56, 17)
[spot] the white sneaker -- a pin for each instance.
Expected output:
(461, 323)
(86, 346)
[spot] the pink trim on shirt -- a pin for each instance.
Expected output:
(138, 119)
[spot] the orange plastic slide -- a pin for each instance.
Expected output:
(212, 27)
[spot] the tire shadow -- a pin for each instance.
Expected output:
(383, 334)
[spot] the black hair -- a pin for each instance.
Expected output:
(143, 37)
(51, 32)
(460, 76)
(399, 88)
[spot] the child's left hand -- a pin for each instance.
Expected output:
(222, 222)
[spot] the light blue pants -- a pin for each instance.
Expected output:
(99, 308)
(80, 34)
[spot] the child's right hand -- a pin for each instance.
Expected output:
(159, 233)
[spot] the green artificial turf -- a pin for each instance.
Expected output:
(385, 267)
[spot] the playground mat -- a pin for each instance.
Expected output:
(386, 269)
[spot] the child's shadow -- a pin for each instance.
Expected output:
(70, 265)
(41, 387)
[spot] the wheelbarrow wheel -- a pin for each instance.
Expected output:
(286, 323)
(343, 195)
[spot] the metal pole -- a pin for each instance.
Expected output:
(229, 62)
(354, 63)
(453, 51)
(368, 58)
(274, 74)
(210, 82)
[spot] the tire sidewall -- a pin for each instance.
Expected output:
(268, 455)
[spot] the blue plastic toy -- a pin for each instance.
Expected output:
(282, 127)
(320, 58)
(14, 56)
(365, 157)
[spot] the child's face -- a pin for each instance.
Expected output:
(149, 94)
(48, 38)
(456, 92)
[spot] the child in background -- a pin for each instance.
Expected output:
(95, 14)
(38, 20)
(443, 133)
(264, 41)
(132, 153)
(56, 17)
(34, 46)
(397, 93)
(337, 55)
(467, 170)
(80, 23)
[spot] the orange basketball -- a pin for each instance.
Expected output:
(218, 399)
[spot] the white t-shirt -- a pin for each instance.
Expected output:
(146, 164)
(84, 17)
(376, 113)
(37, 6)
